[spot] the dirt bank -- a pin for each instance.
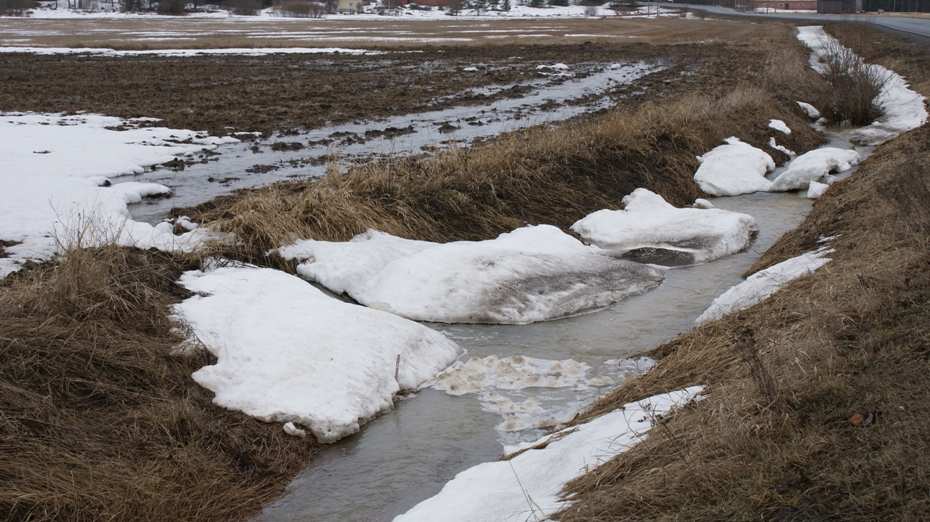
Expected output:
(817, 399)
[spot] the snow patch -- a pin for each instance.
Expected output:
(764, 283)
(780, 126)
(185, 53)
(810, 110)
(814, 166)
(815, 190)
(534, 273)
(54, 189)
(529, 485)
(788, 152)
(733, 169)
(649, 222)
(287, 352)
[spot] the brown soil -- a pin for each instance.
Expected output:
(816, 403)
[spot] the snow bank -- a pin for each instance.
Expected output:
(814, 166)
(186, 53)
(534, 273)
(815, 190)
(53, 185)
(733, 169)
(764, 283)
(287, 352)
(902, 108)
(528, 486)
(649, 222)
(810, 110)
(774, 144)
(780, 126)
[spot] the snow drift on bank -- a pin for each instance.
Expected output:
(814, 166)
(528, 486)
(902, 108)
(54, 187)
(759, 286)
(733, 169)
(648, 222)
(287, 352)
(534, 273)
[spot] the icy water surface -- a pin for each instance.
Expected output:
(558, 97)
(408, 454)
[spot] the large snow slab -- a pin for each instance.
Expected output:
(733, 169)
(902, 108)
(759, 286)
(54, 190)
(287, 352)
(528, 486)
(534, 273)
(648, 224)
(814, 166)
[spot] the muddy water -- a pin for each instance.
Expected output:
(558, 96)
(406, 455)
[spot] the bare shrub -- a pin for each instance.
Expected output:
(855, 84)
(16, 7)
(172, 7)
(300, 9)
(245, 7)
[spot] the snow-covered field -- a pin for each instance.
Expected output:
(55, 191)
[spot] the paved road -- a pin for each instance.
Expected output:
(915, 26)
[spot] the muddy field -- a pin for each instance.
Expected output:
(283, 92)
(193, 33)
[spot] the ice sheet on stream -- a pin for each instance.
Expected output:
(532, 394)
(534, 273)
(649, 228)
(734, 168)
(529, 485)
(54, 189)
(902, 108)
(287, 352)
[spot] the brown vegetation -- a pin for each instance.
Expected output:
(99, 421)
(544, 175)
(817, 400)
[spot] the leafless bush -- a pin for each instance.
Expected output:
(855, 84)
(172, 7)
(245, 7)
(300, 9)
(16, 7)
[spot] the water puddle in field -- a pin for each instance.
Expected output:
(258, 163)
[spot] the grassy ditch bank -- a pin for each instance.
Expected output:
(817, 399)
(100, 421)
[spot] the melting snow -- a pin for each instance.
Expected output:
(733, 169)
(287, 352)
(53, 185)
(649, 222)
(759, 286)
(810, 110)
(529, 485)
(902, 108)
(815, 189)
(534, 273)
(780, 126)
(814, 166)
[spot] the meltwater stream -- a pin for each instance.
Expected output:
(408, 454)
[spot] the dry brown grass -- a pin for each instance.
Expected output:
(552, 175)
(777, 437)
(98, 421)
